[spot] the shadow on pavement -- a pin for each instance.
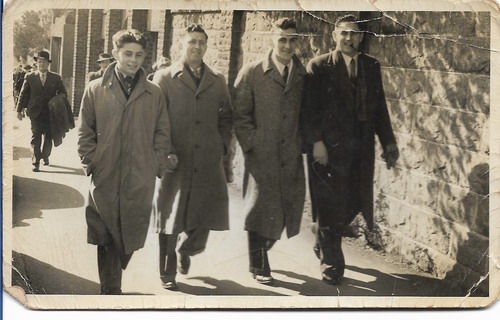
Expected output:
(37, 277)
(223, 287)
(31, 196)
(20, 152)
(384, 285)
(69, 170)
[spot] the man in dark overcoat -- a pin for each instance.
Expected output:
(267, 99)
(38, 88)
(345, 108)
(105, 59)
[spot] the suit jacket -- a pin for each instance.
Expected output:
(35, 97)
(95, 75)
(347, 121)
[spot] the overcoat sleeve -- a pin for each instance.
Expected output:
(383, 127)
(87, 134)
(162, 138)
(24, 96)
(244, 122)
(225, 117)
(313, 109)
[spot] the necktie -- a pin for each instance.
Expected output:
(43, 78)
(285, 74)
(129, 83)
(196, 73)
(352, 69)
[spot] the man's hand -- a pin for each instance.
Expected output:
(319, 153)
(20, 115)
(172, 162)
(391, 155)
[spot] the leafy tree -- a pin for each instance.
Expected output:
(31, 33)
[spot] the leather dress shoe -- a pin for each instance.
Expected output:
(184, 263)
(36, 168)
(332, 280)
(263, 279)
(46, 162)
(170, 285)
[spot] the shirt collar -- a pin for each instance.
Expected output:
(347, 59)
(281, 66)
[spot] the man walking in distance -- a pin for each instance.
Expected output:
(38, 88)
(124, 143)
(267, 99)
(345, 108)
(193, 199)
(105, 59)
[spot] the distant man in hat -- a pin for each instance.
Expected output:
(19, 75)
(104, 61)
(37, 89)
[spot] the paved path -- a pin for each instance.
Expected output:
(50, 249)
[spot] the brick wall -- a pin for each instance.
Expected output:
(79, 58)
(95, 42)
(112, 24)
(433, 209)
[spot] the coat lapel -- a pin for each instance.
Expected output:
(341, 78)
(272, 71)
(178, 70)
(298, 73)
(207, 79)
(110, 80)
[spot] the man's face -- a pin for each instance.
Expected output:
(104, 64)
(129, 58)
(43, 64)
(348, 38)
(194, 47)
(285, 44)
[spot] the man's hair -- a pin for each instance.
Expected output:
(123, 37)
(346, 18)
(285, 23)
(196, 28)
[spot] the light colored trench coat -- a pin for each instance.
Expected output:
(123, 144)
(195, 194)
(266, 120)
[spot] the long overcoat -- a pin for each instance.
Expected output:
(195, 194)
(123, 144)
(266, 121)
(332, 114)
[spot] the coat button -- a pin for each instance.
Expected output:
(196, 146)
(284, 116)
(282, 164)
(282, 141)
(195, 170)
(197, 122)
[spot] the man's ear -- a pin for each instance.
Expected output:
(115, 54)
(334, 36)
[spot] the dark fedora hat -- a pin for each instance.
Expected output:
(44, 55)
(104, 57)
(27, 67)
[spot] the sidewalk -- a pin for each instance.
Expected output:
(52, 256)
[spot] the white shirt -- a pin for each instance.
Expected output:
(347, 61)
(43, 77)
(281, 66)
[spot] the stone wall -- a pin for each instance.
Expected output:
(432, 210)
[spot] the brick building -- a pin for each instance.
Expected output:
(432, 210)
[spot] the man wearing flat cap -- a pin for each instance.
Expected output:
(38, 88)
(104, 61)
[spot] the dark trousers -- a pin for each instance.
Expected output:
(329, 246)
(257, 248)
(195, 243)
(110, 263)
(40, 128)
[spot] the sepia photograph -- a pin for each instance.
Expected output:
(250, 155)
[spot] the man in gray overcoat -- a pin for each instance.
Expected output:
(124, 143)
(267, 100)
(345, 108)
(193, 199)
